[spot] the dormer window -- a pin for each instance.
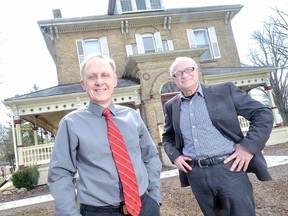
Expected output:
(155, 4)
(126, 6)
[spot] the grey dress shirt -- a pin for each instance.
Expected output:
(82, 146)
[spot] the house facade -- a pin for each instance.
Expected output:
(144, 38)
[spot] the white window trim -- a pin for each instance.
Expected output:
(214, 43)
(158, 42)
(139, 43)
(170, 45)
(191, 38)
(104, 46)
(129, 50)
(80, 50)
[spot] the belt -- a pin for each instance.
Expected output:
(108, 209)
(206, 162)
(105, 209)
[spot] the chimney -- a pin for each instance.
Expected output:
(57, 13)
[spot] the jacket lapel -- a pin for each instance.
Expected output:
(176, 113)
(210, 99)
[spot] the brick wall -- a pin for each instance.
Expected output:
(153, 74)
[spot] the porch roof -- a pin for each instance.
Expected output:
(65, 89)
(235, 70)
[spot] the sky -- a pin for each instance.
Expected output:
(24, 57)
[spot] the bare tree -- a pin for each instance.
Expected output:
(271, 49)
(6, 144)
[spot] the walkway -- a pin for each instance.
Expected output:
(271, 161)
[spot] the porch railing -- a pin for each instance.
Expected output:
(37, 155)
(244, 123)
(40, 154)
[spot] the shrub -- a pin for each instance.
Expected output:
(27, 177)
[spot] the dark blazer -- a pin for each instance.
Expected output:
(225, 102)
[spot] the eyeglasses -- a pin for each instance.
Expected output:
(186, 71)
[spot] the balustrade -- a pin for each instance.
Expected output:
(37, 155)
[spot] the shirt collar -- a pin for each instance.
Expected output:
(199, 92)
(98, 110)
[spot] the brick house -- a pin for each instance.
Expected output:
(143, 38)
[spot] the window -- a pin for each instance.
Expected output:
(141, 5)
(204, 38)
(155, 4)
(126, 5)
(168, 45)
(149, 43)
(89, 46)
(137, 5)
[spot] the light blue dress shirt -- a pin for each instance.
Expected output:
(82, 146)
(201, 138)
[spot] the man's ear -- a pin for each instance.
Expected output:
(82, 83)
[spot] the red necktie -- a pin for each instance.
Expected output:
(124, 167)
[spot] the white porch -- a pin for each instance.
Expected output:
(40, 154)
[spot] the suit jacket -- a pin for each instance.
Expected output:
(225, 102)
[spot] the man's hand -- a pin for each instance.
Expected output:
(181, 164)
(241, 157)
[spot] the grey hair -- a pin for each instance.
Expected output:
(99, 56)
(179, 59)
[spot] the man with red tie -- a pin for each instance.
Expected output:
(110, 148)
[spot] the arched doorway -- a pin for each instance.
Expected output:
(168, 91)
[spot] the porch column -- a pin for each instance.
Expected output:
(17, 123)
(52, 138)
(268, 88)
(137, 108)
(45, 136)
(35, 129)
(137, 101)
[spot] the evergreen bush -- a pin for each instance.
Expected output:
(27, 177)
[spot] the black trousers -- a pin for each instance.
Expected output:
(221, 192)
(149, 208)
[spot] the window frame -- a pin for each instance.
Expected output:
(148, 4)
(213, 48)
(138, 47)
(82, 53)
